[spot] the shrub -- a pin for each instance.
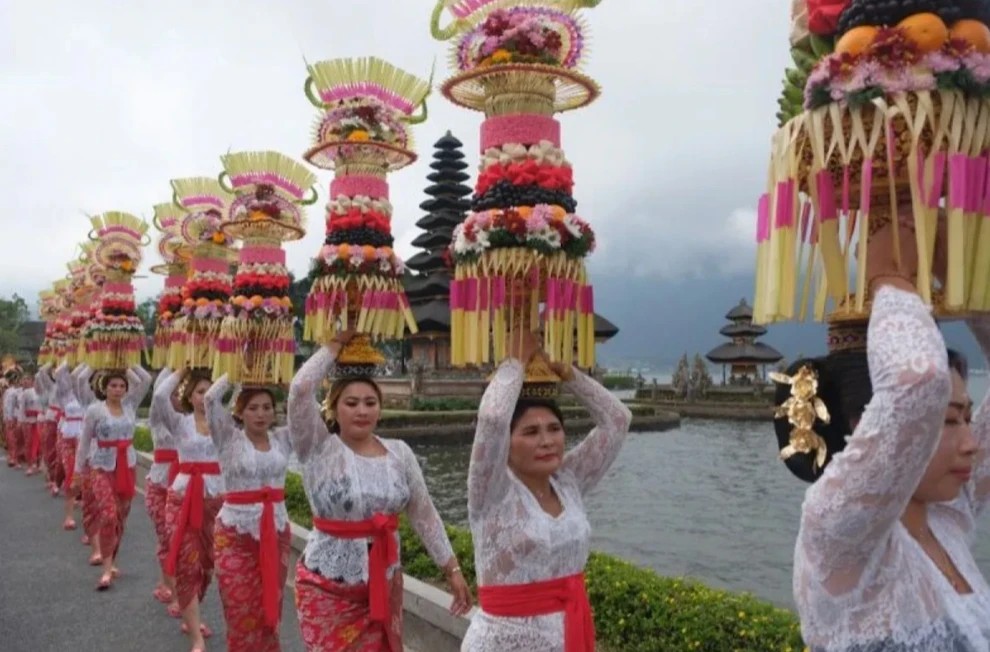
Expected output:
(619, 382)
(444, 404)
(142, 439)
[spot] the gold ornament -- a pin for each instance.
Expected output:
(801, 410)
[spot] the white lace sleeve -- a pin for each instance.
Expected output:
(138, 384)
(591, 459)
(82, 374)
(44, 381)
(284, 439)
(86, 438)
(849, 512)
(63, 384)
(980, 484)
(162, 414)
(488, 473)
(423, 515)
(306, 426)
(220, 421)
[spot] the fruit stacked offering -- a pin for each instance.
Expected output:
(261, 289)
(523, 195)
(359, 238)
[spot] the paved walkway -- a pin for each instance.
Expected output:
(47, 597)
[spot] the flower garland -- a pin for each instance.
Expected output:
(346, 258)
(894, 64)
(204, 226)
(544, 228)
(204, 295)
(344, 205)
(522, 35)
(360, 121)
(169, 304)
(542, 152)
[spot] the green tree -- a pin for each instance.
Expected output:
(13, 314)
(147, 312)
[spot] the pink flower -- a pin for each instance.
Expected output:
(939, 61)
(979, 65)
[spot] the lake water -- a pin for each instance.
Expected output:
(709, 500)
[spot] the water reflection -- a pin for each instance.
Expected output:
(708, 500)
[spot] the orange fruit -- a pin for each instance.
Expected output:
(857, 40)
(973, 32)
(926, 30)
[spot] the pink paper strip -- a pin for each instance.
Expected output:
(985, 201)
(210, 265)
(484, 298)
(255, 178)
(498, 293)
(938, 180)
(176, 281)
(784, 217)
(118, 228)
(455, 295)
(364, 89)
(471, 294)
(523, 129)
(203, 200)
(826, 196)
(957, 181)
(352, 185)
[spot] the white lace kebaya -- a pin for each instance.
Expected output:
(862, 583)
(191, 444)
(100, 425)
(162, 437)
(244, 467)
(342, 485)
(515, 540)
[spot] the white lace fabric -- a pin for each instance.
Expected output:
(70, 427)
(11, 401)
(515, 541)
(341, 485)
(84, 393)
(190, 444)
(100, 425)
(244, 467)
(45, 387)
(161, 435)
(861, 581)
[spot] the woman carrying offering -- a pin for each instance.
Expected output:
(349, 580)
(69, 427)
(160, 477)
(107, 438)
(526, 509)
(252, 535)
(883, 558)
(194, 498)
(86, 384)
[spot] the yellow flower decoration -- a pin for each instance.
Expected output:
(359, 135)
(801, 410)
(501, 56)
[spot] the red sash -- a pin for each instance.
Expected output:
(384, 552)
(123, 476)
(565, 594)
(191, 513)
(268, 557)
(171, 457)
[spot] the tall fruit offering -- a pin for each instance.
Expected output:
(519, 256)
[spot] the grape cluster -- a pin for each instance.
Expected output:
(362, 236)
(890, 12)
(506, 195)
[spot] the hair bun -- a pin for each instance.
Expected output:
(809, 423)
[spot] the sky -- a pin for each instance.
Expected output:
(102, 103)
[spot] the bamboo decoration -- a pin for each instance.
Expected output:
(49, 310)
(362, 133)
(175, 253)
(205, 293)
(519, 256)
(256, 343)
(114, 337)
(862, 150)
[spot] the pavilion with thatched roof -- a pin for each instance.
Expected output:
(743, 359)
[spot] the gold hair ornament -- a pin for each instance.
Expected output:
(801, 410)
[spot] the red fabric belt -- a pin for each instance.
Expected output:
(566, 594)
(30, 413)
(123, 478)
(384, 552)
(171, 457)
(191, 513)
(268, 557)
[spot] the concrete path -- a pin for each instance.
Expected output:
(47, 597)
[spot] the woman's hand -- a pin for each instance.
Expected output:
(523, 346)
(340, 340)
(563, 370)
(458, 586)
